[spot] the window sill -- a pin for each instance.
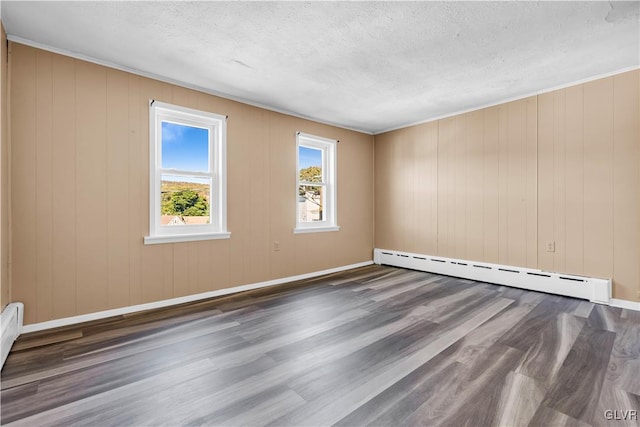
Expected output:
(301, 230)
(177, 238)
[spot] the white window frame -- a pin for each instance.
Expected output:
(329, 172)
(217, 125)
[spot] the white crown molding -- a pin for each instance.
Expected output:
(158, 77)
(506, 100)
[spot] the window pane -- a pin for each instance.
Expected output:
(310, 164)
(185, 147)
(184, 200)
(310, 203)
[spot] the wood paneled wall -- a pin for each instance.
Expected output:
(498, 184)
(589, 182)
(5, 287)
(80, 193)
(493, 185)
(462, 187)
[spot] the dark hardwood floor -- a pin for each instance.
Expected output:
(372, 346)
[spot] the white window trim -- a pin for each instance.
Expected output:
(321, 229)
(329, 169)
(217, 125)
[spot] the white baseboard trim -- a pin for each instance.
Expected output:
(66, 321)
(593, 289)
(626, 304)
(11, 325)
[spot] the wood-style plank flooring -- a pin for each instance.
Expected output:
(372, 346)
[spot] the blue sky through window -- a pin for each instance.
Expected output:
(185, 147)
(309, 157)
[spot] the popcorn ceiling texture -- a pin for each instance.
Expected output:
(367, 66)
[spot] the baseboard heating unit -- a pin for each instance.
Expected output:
(11, 323)
(592, 289)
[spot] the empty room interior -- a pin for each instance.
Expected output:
(320, 213)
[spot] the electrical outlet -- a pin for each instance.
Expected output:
(276, 246)
(551, 246)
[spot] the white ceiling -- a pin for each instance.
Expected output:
(370, 66)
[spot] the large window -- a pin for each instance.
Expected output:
(187, 175)
(316, 184)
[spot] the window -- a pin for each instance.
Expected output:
(316, 184)
(188, 199)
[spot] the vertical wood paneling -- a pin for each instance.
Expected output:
(23, 180)
(475, 186)
(384, 177)
(152, 273)
(559, 195)
(118, 290)
(516, 183)
(491, 184)
(356, 190)
(395, 182)
(598, 178)
(531, 192)
(191, 277)
(459, 167)
(390, 226)
(81, 193)
(425, 139)
(167, 271)
(180, 269)
(217, 269)
(64, 187)
(431, 198)
(503, 178)
(559, 167)
(208, 262)
(546, 170)
(282, 155)
(249, 202)
(445, 184)
(91, 186)
(474, 212)
(626, 185)
(595, 141)
(44, 178)
(485, 191)
(309, 251)
(574, 180)
(135, 159)
(5, 188)
(406, 189)
(151, 257)
(552, 177)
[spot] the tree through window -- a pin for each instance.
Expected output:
(188, 174)
(316, 192)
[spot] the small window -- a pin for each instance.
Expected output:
(187, 175)
(316, 184)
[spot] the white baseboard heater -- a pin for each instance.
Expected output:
(11, 325)
(592, 289)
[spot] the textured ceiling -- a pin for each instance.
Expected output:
(370, 66)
